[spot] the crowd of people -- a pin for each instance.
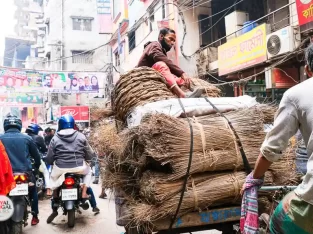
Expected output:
(66, 150)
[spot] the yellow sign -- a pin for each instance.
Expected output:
(243, 52)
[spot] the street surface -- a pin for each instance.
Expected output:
(86, 223)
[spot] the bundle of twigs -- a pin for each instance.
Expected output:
(221, 188)
(210, 90)
(269, 111)
(154, 190)
(105, 140)
(167, 141)
(284, 170)
(138, 87)
(96, 113)
(145, 85)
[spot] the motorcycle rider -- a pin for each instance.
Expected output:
(49, 134)
(20, 148)
(32, 131)
(69, 152)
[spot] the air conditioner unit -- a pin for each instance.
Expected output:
(282, 41)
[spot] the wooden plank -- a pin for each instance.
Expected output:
(196, 219)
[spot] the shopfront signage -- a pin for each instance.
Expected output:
(80, 113)
(242, 52)
(305, 11)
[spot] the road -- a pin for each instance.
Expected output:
(86, 223)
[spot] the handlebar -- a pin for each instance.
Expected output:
(272, 188)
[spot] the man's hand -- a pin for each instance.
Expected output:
(187, 80)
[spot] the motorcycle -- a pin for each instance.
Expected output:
(40, 178)
(21, 202)
(71, 197)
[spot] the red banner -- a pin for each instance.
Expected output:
(80, 113)
(305, 11)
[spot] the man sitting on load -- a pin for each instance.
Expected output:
(155, 56)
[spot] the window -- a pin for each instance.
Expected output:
(116, 8)
(163, 9)
(117, 59)
(151, 20)
(47, 22)
(131, 40)
(82, 24)
(78, 57)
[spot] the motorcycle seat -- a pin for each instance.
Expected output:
(74, 175)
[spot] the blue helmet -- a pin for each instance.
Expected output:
(65, 122)
(33, 128)
(12, 121)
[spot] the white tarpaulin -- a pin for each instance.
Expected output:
(193, 107)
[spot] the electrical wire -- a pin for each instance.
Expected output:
(235, 3)
(246, 79)
(221, 81)
(248, 25)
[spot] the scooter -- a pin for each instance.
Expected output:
(21, 202)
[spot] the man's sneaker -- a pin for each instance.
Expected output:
(96, 181)
(96, 210)
(196, 93)
(35, 221)
(52, 216)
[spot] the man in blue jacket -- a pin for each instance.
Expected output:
(20, 149)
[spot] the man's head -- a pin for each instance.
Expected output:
(81, 82)
(167, 38)
(33, 128)
(1, 81)
(10, 82)
(309, 60)
(66, 122)
(49, 131)
(87, 80)
(12, 121)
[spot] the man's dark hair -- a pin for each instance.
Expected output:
(309, 57)
(165, 31)
(48, 130)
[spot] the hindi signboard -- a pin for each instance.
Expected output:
(242, 52)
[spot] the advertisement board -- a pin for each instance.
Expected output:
(15, 80)
(80, 113)
(21, 99)
(20, 81)
(305, 11)
(68, 82)
(242, 52)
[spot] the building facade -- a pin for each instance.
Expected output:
(220, 41)
(21, 45)
(74, 36)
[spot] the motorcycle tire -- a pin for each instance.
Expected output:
(71, 218)
(4, 227)
(16, 228)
